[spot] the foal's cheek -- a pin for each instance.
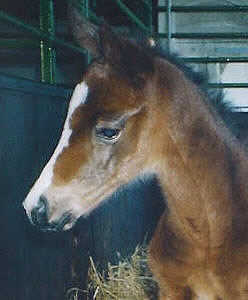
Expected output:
(129, 143)
(105, 160)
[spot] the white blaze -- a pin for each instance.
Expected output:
(79, 97)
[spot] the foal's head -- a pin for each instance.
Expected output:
(107, 134)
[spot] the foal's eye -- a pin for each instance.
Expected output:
(107, 133)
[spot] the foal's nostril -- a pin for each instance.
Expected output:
(39, 213)
(43, 201)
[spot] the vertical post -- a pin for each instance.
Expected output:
(94, 4)
(162, 22)
(150, 20)
(85, 11)
(169, 25)
(47, 53)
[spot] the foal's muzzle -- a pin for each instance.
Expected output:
(39, 214)
(40, 217)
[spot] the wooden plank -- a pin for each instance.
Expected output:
(28, 86)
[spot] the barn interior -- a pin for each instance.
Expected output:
(39, 65)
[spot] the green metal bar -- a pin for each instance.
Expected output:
(228, 85)
(48, 54)
(239, 107)
(193, 35)
(94, 4)
(39, 34)
(91, 15)
(147, 2)
(205, 8)
(213, 59)
(85, 10)
(169, 25)
(150, 16)
(132, 16)
(18, 43)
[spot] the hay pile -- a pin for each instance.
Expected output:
(130, 279)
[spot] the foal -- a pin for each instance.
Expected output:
(133, 113)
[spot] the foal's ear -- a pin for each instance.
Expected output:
(99, 41)
(85, 32)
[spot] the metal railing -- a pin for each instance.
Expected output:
(207, 59)
(205, 35)
(204, 8)
(168, 9)
(45, 38)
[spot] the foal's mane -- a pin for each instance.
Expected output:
(215, 97)
(200, 79)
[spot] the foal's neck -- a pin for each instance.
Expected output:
(197, 167)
